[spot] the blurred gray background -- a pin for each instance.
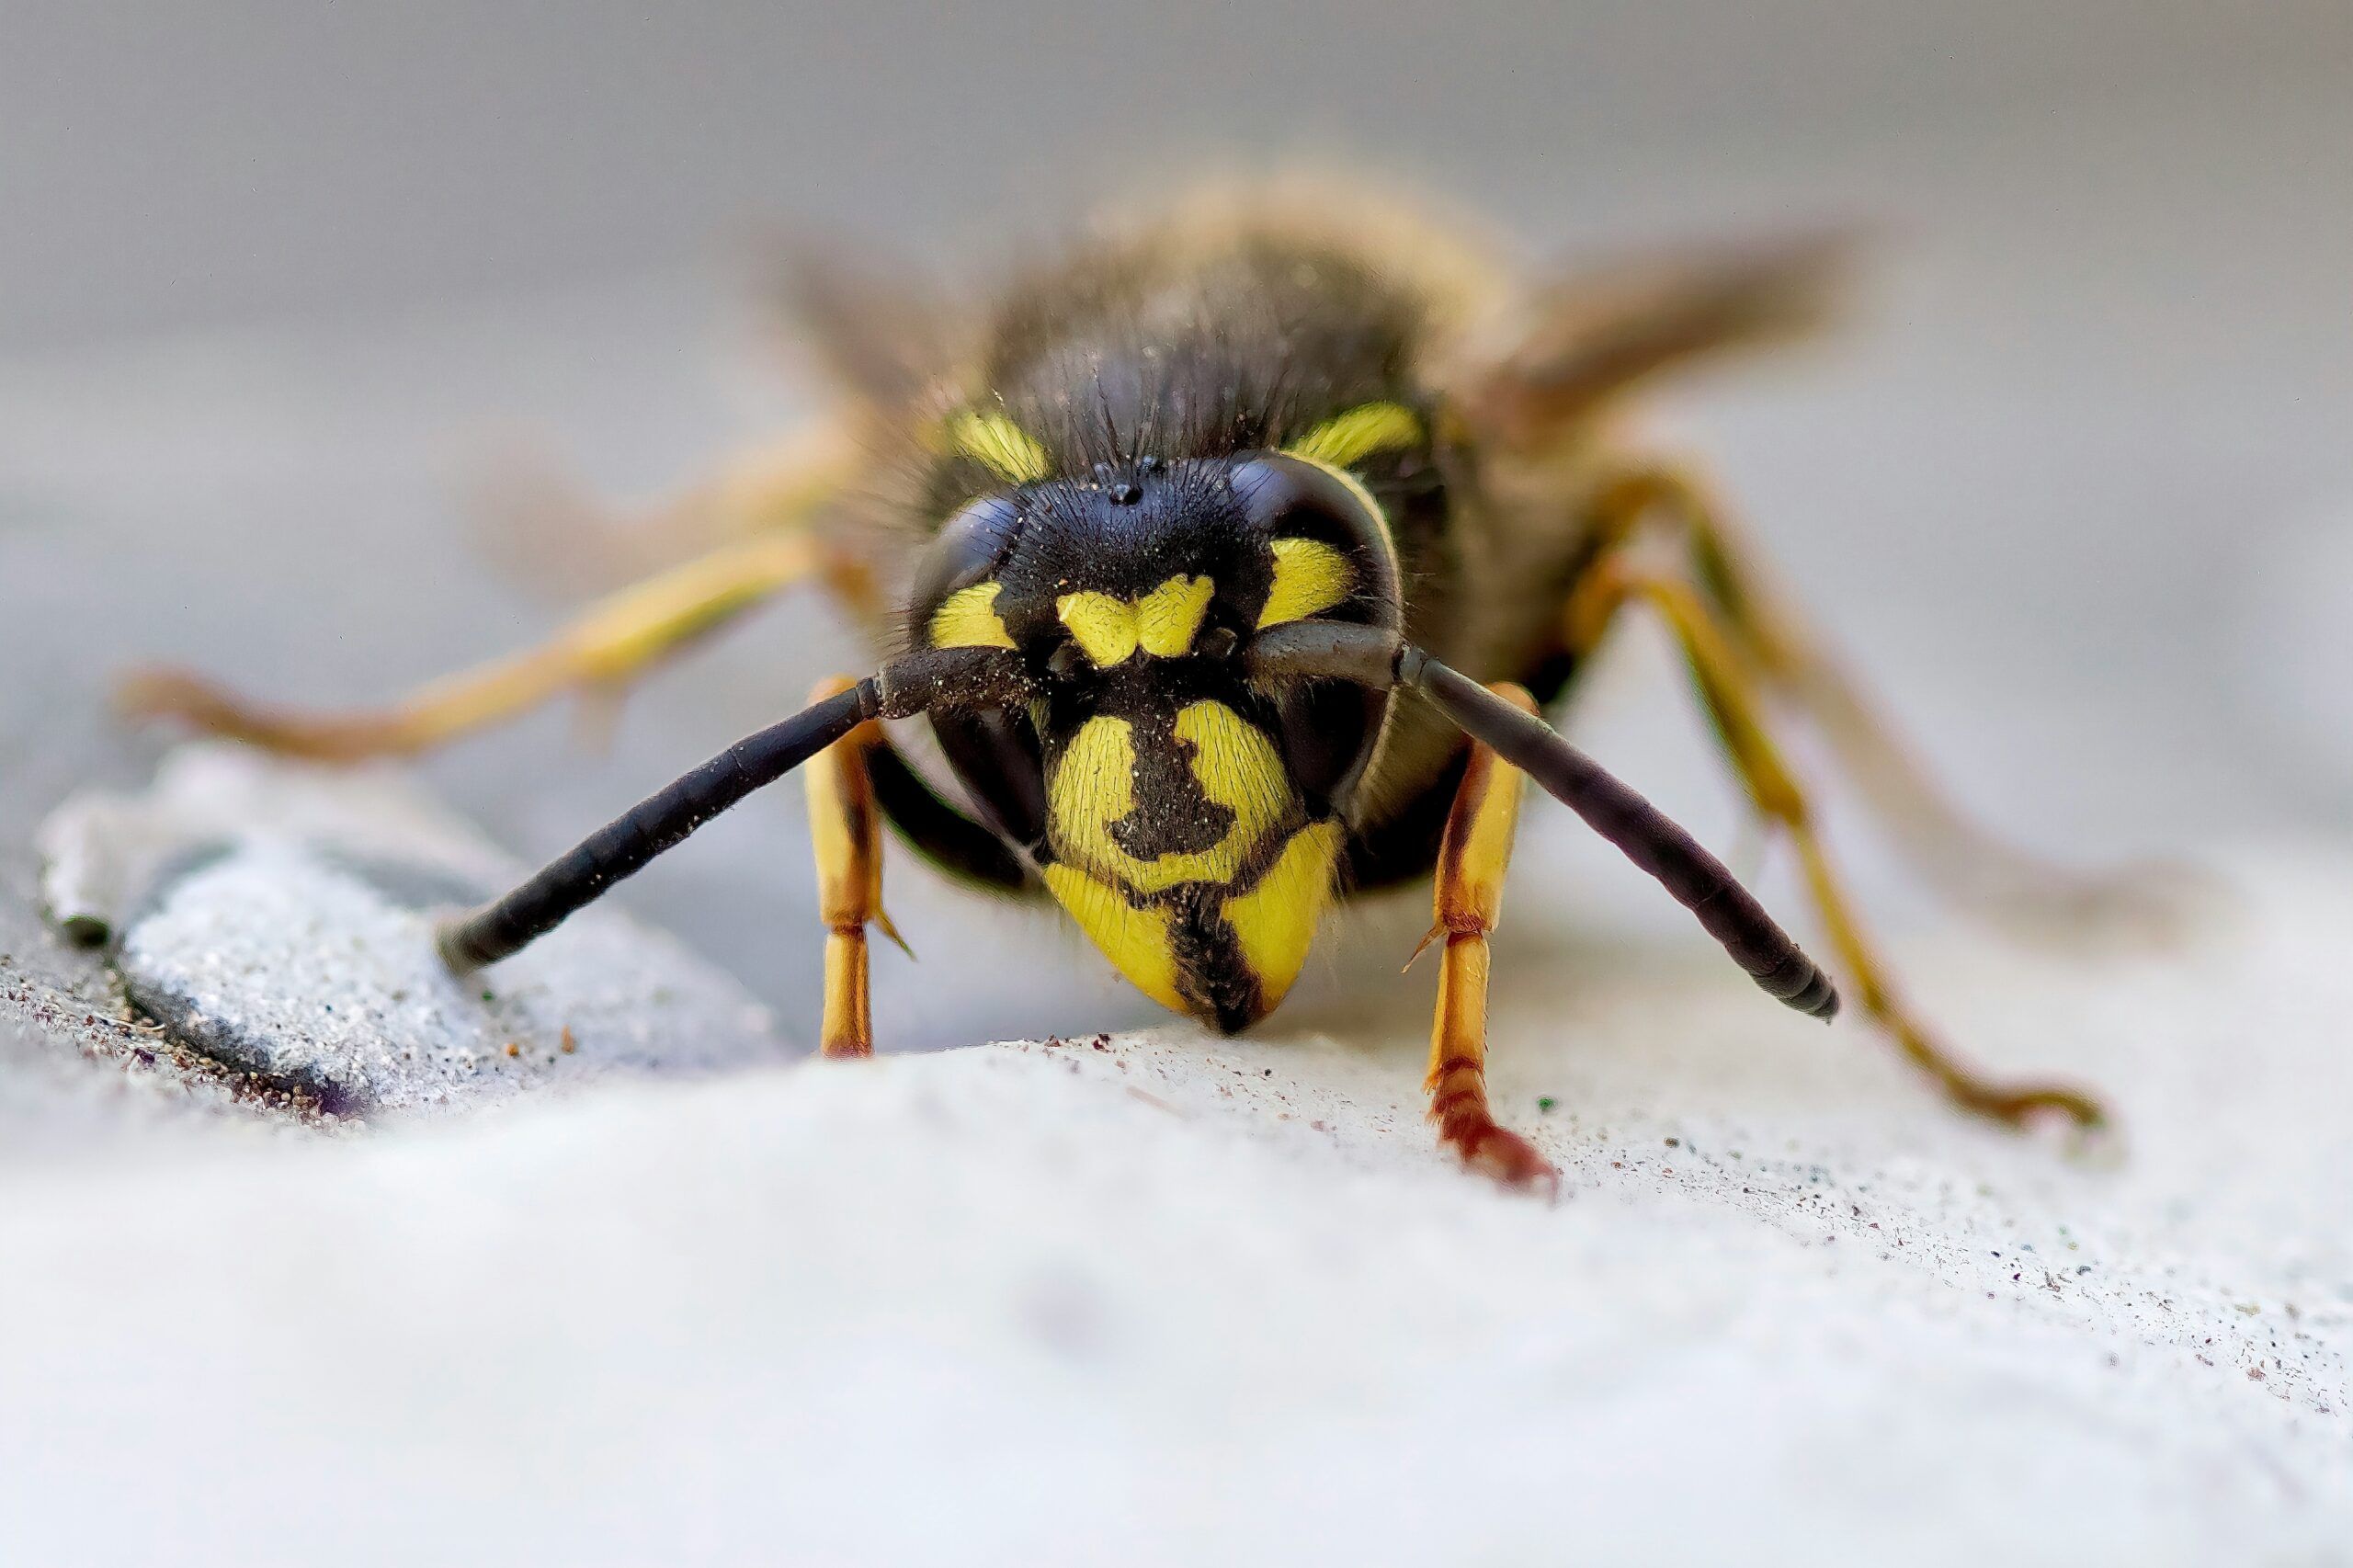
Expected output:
(277, 282)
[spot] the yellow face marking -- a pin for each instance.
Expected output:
(1135, 940)
(999, 445)
(1240, 769)
(1168, 618)
(1104, 628)
(967, 618)
(1310, 578)
(1274, 922)
(1093, 787)
(1347, 439)
(1163, 623)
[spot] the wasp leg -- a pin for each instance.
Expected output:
(542, 530)
(1466, 906)
(1970, 864)
(612, 642)
(845, 827)
(1729, 688)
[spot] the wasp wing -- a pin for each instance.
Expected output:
(1590, 336)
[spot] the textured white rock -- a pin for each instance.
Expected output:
(281, 919)
(1175, 1300)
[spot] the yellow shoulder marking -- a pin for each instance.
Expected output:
(1168, 618)
(1347, 439)
(999, 445)
(967, 618)
(1310, 578)
(1274, 922)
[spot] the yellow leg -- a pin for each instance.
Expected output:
(1466, 906)
(613, 641)
(544, 530)
(846, 828)
(1755, 616)
(1727, 687)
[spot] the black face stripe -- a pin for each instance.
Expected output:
(1173, 815)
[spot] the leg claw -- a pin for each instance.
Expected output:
(1503, 1154)
(2023, 1107)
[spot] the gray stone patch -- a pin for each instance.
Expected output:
(279, 919)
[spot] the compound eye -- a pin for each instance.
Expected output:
(972, 546)
(1329, 545)
(1290, 495)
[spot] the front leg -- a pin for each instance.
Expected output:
(1466, 905)
(845, 827)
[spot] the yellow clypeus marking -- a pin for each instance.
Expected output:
(1310, 578)
(1274, 922)
(1163, 623)
(967, 618)
(1347, 439)
(1168, 618)
(1239, 768)
(999, 445)
(1135, 940)
(1093, 787)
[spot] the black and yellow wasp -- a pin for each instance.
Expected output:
(1219, 570)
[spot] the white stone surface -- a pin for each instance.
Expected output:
(281, 919)
(1175, 1299)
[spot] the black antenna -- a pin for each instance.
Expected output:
(952, 678)
(1612, 808)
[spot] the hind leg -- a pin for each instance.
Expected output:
(1756, 617)
(1729, 689)
(542, 529)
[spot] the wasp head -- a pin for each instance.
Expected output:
(1190, 820)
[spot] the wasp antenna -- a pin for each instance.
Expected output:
(957, 679)
(1371, 657)
(1612, 808)
(1326, 650)
(624, 846)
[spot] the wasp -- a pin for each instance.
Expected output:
(1222, 568)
